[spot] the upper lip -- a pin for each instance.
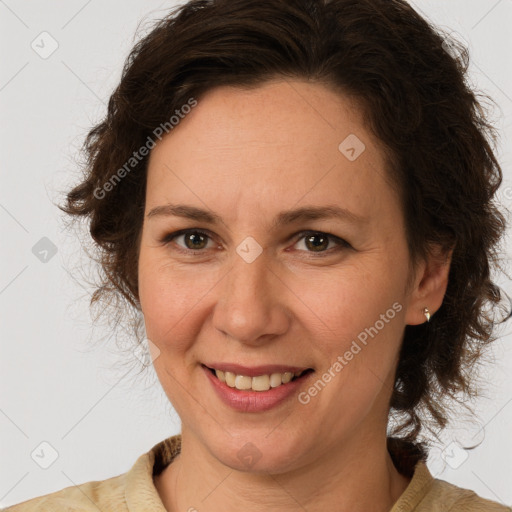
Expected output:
(254, 371)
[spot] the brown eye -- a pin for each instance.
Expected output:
(193, 240)
(318, 242)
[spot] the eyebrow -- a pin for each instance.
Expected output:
(283, 218)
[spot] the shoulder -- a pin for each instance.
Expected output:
(130, 491)
(444, 496)
(87, 497)
(428, 494)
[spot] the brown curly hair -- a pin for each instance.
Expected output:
(415, 98)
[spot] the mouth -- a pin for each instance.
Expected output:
(260, 382)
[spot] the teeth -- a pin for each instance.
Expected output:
(230, 379)
(287, 377)
(275, 380)
(243, 382)
(259, 383)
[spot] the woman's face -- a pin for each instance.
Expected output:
(262, 286)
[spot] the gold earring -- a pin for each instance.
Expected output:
(426, 313)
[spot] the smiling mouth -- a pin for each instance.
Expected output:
(258, 383)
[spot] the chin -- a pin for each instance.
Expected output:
(257, 451)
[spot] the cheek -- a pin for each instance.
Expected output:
(358, 317)
(171, 301)
(170, 318)
(362, 315)
(351, 299)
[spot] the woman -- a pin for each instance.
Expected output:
(298, 197)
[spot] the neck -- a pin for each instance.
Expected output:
(358, 475)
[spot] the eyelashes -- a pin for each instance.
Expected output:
(309, 235)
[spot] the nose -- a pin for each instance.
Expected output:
(251, 305)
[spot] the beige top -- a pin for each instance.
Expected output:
(134, 491)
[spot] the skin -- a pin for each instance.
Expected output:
(247, 155)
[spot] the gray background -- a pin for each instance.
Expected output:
(56, 387)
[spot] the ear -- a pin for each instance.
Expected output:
(429, 285)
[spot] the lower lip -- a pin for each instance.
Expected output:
(254, 401)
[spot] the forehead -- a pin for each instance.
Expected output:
(270, 147)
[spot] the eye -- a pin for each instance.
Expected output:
(194, 240)
(319, 242)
